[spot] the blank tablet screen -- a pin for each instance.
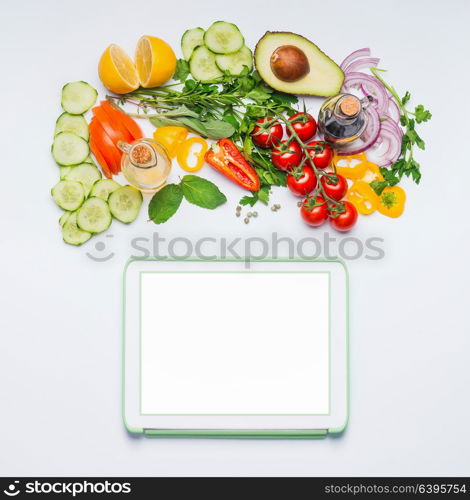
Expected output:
(234, 343)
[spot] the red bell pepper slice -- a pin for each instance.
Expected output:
(228, 160)
(114, 128)
(132, 127)
(100, 159)
(108, 150)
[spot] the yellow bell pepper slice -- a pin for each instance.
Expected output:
(363, 197)
(372, 173)
(184, 153)
(170, 138)
(392, 201)
(351, 167)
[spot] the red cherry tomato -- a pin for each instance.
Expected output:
(314, 211)
(303, 182)
(321, 154)
(267, 137)
(336, 191)
(304, 125)
(286, 157)
(345, 220)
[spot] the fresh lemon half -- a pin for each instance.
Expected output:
(117, 71)
(155, 61)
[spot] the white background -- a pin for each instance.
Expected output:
(60, 311)
(222, 356)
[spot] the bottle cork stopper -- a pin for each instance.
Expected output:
(350, 106)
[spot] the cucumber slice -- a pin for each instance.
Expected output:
(64, 171)
(103, 188)
(86, 174)
(125, 203)
(223, 38)
(202, 65)
(69, 149)
(190, 40)
(78, 97)
(235, 63)
(94, 216)
(64, 217)
(72, 234)
(69, 195)
(72, 123)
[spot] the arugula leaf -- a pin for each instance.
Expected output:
(165, 203)
(182, 70)
(201, 192)
(260, 94)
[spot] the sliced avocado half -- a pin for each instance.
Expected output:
(292, 64)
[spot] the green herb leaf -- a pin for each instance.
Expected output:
(202, 192)
(421, 114)
(218, 129)
(405, 98)
(182, 70)
(262, 195)
(165, 203)
(259, 94)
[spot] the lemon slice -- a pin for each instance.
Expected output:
(155, 61)
(117, 70)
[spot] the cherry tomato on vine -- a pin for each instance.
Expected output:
(321, 153)
(267, 137)
(286, 157)
(302, 182)
(345, 220)
(314, 211)
(304, 125)
(336, 191)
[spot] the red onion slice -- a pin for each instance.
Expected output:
(368, 137)
(393, 110)
(366, 62)
(369, 86)
(353, 56)
(388, 149)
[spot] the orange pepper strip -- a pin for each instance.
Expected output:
(171, 138)
(392, 201)
(363, 197)
(184, 153)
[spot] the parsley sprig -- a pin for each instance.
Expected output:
(406, 163)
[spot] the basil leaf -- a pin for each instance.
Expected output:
(201, 192)
(218, 129)
(163, 122)
(165, 203)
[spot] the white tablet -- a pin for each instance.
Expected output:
(214, 349)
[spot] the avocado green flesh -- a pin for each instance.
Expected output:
(324, 79)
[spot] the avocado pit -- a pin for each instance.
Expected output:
(289, 63)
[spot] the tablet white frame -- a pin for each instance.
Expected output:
(334, 422)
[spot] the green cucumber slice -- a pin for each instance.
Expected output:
(72, 123)
(103, 188)
(64, 217)
(235, 63)
(64, 171)
(72, 234)
(78, 97)
(223, 38)
(69, 195)
(202, 65)
(94, 216)
(125, 203)
(190, 40)
(85, 173)
(69, 149)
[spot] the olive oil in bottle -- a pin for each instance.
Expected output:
(342, 118)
